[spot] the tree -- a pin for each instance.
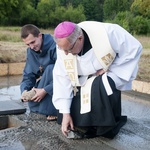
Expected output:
(7, 6)
(140, 25)
(112, 7)
(35, 3)
(45, 10)
(93, 10)
(124, 19)
(67, 14)
(141, 7)
(28, 15)
(10, 11)
(72, 14)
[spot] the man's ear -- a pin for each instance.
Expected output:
(80, 37)
(40, 35)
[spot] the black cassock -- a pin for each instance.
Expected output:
(105, 115)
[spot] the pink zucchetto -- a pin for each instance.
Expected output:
(64, 29)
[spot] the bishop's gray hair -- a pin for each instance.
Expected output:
(75, 34)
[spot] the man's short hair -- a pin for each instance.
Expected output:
(29, 29)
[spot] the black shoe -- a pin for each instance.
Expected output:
(91, 133)
(112, 133)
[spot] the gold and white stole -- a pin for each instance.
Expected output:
(86, 96)
(100, 42)
(70, 63)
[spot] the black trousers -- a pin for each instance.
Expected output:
(105, 112)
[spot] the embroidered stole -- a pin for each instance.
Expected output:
(70, 63)
(99, 41)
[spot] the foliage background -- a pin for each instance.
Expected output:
(133, 15)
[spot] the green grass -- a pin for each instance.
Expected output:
(144, 63)
(4, 37)
(12, 34)
(9, 28)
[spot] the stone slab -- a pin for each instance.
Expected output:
(11, 68)
(16, 68)
(3, 69)
(140, 86)
(3, 122)
(11, 108)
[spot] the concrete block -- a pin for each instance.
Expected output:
(140, 86)
(11, 107)
(146, 88)
(16, 68)
(3, 122)
(3, 69)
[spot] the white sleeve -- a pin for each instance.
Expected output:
(62, 88)
(128, 49)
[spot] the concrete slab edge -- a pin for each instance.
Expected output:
(11, 68)
(17, 69)
(141, 86)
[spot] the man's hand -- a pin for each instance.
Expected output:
(40, 94)
(23, 96)
(100, 72)
(67, 124)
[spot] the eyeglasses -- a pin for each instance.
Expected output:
(69, 50)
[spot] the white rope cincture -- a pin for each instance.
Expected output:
(106, 84)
